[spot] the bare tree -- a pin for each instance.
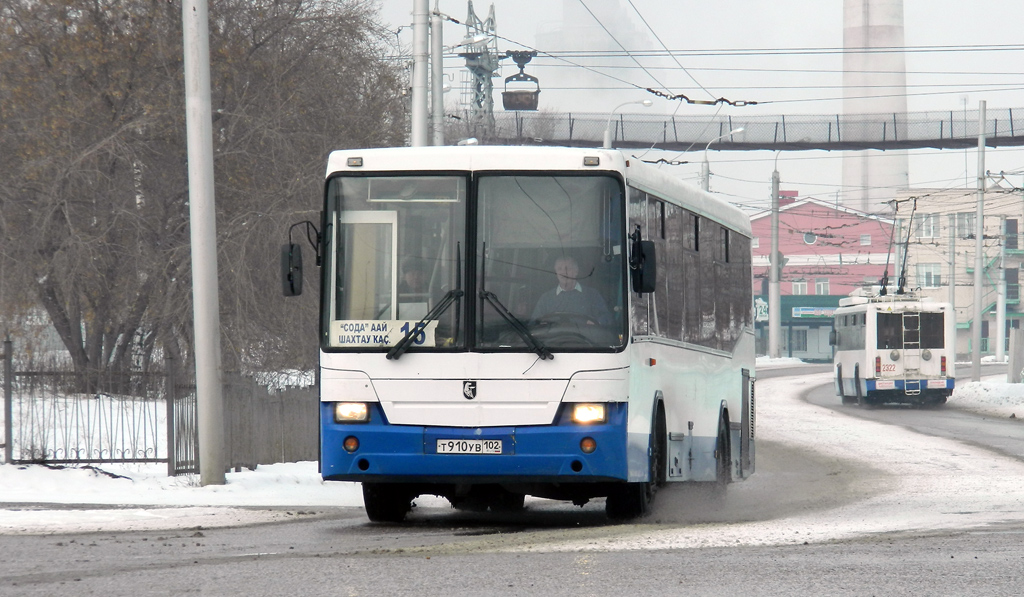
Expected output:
(94, 211)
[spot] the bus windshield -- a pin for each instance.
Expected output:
(545, 273)
(549, 251)
(393, 248)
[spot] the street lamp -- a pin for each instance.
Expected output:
(608, 127)
(705, 169)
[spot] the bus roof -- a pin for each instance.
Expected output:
(924, 302)
(563, 159)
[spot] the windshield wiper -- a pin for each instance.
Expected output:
(517, 325)
(450, 297)
(403, 344)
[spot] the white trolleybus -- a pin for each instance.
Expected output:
(499, 322)
(896, 348)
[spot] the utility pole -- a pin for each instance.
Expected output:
(420, 29)
(951, 278)
(775, 265)
(979, 250)
(437, 73)
(1001, 295)
(203, 222)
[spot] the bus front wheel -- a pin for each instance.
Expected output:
(633, 500)
(386, 502)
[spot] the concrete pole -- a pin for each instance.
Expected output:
(979, 250)
(420, 34)
(951, 277)
(705, 168)
(202, 218)
(774, 296)
(1001, 295)
(8, 400)
(1016, 365)
(437, 74)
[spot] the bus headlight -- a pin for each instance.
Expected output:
(351, 412)
(589, 413)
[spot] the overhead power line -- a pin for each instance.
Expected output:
(656, 53)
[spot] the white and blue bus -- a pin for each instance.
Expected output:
(499, 322)
(894, 348)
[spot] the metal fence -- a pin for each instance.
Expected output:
(73, 417)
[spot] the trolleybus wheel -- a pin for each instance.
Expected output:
(633, 500)
(386, 502)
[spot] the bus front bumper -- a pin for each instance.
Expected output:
(536, 453)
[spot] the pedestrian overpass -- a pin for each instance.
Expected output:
(911, 130)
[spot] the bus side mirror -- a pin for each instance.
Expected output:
(833, 338)
(643, 267)
(291, 269)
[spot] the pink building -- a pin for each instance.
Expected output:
(828, 251)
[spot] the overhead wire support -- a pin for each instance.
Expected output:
(721, 100)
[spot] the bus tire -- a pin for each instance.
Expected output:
(507, 501)
(633, 500)
(386, 502)
(723, 456)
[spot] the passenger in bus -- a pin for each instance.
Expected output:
(572, 297)
(414, 277)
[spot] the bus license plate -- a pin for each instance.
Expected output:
(469, 446)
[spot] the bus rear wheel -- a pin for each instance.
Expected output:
(386, 502)
(723, 457)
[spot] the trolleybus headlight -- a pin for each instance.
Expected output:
(894, 355)
(926, 354)
(589, 413)
(351, 412)
(588, 445)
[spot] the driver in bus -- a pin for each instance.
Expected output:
(572, 297)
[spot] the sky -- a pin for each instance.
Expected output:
(946, 71)
(918, 483)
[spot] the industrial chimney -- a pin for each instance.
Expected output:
(874, 82)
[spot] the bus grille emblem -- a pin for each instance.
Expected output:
(469, 389)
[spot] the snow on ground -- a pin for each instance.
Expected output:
(935, 483)
(921, 483)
